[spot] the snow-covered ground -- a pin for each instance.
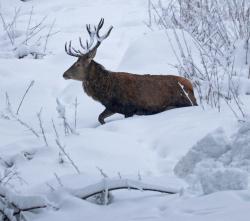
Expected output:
(147, 147)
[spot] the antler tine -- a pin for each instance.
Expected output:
(77, 52)
(81, 44)
(65, 47)
(88, 27)
(87, 45)
(91, 35)
(69, 48)
(101, 38)
(100, 24)
(89, 48)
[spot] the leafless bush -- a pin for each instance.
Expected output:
(61, 110)
(31, 40)
(13, 206)
(217, 27)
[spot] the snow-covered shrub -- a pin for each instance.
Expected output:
(223, 179)
(221, 30)
(14, 206)
(240, 153)
(212, 146)
(61, 110)
(217, 162)
(23, 39)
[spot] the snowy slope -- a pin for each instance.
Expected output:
(150, 146)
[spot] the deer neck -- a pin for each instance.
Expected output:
(96, 72)
(96, 81)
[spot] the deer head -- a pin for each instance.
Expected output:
(80, 68)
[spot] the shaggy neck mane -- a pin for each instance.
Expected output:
(96, 70)
(96, 81)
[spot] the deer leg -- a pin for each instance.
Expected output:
(103, 115)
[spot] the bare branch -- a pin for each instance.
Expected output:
(112, 184)
(55, 130)
(17, 118)
(49, 35)
(41, 127)
(26, 92)
(67, 155)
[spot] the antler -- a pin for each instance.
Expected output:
(89, 49)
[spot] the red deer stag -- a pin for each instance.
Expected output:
(121, 92)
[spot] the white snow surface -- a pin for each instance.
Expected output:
(217, 162)
(147, 147)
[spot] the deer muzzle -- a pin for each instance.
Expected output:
(66, 76)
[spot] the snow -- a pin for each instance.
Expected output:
(217, 162)
(155, 49)
(204, 152)
(228, 179)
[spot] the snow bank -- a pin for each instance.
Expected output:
(218, 163)
(223, 179)
(212, 146)
(153, 53)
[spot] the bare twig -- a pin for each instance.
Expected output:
(119, 175)
(17, 118)
(102, 172)
(28, 26)
(26, 92)
(5, 27)
(26, 125)
(67, 155)
(41, 127)
(61, 112)
(55, 130)
(48, 35)
(58, 179)
(75, 105)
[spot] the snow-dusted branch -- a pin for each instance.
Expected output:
(26, 92)
(117, 184)
(41, 127)
(75, 105)
(61, 110)
(12, 205)
(54, 128)
(16, 117)
(28, 41)
(219, 29)
(62, 148)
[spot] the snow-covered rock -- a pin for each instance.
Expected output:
(223, 179)
(212, 146)
(218, 163)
